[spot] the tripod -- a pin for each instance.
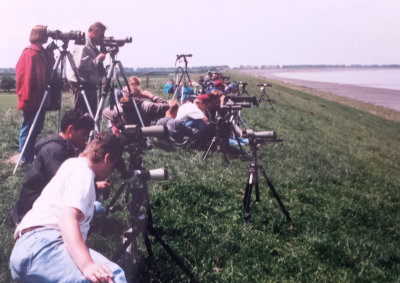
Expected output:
(243, 91)
(264, 96)
(140, 217)
(64, 54)
(253, 179)
(181, 78)
(226, 124)
(112, 80)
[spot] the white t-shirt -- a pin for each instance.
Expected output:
(189, 111)
(72, 186)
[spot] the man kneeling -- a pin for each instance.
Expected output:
(50, 240)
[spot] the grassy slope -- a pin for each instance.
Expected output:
(336, 171)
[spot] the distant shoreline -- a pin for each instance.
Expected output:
(378, 96)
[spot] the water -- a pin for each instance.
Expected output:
(378, 78)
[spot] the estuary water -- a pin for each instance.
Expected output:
(374, 77)
(379, 86)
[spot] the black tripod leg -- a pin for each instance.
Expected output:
(129, 238)
(109, 208)
(256, 185)
(224, 154)
(247, 195)
(173, 255)
(275, 194)
(148, 244)
(270, 102)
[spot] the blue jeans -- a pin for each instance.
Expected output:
(27, 120)
(40, 256)
(197, 124)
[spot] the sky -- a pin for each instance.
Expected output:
(219, 32)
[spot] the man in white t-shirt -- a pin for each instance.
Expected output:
(193, 113)
(50, 240)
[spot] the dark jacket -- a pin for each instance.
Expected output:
(50, 153)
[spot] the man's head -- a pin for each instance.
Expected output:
(202, 101)
(218, 84)
(38, 35)
(96, 32)
(76, 127)
(134, 83)
(105, 153)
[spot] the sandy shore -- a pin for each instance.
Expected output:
(378, 96)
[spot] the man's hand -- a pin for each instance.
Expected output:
(101, 57)
(103, 185)
(77, 249)
(96, 272)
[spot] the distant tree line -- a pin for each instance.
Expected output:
(205, 69)
(7, 83)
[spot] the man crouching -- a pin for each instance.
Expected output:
(50, 240)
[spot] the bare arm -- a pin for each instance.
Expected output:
(76, 247)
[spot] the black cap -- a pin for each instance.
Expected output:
(114, 146)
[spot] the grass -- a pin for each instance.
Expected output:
(337, 172)
(8, 100)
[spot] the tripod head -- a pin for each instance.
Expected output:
(257, 138)
(111, 45)
(180, 57)
(264, 85)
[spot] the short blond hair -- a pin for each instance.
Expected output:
(134, 80)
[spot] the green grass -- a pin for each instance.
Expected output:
(8, 100)
(337, 171)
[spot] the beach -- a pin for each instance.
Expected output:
(387, 98)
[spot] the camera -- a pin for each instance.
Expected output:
(160, 174)
(265, 135)
(78, 36)
(183, 55)
(240, 99)
(231, 105)
(110, 41)
(134, 133)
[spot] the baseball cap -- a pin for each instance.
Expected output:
(203, 98)
(218, 82)
(113, 145)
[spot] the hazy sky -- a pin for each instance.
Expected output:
(219, 32)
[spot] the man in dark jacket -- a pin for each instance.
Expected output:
(50, 153)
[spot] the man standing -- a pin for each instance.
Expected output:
(89, 62)
(50, 240)
(50, 153)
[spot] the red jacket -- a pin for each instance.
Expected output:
(32, 75)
